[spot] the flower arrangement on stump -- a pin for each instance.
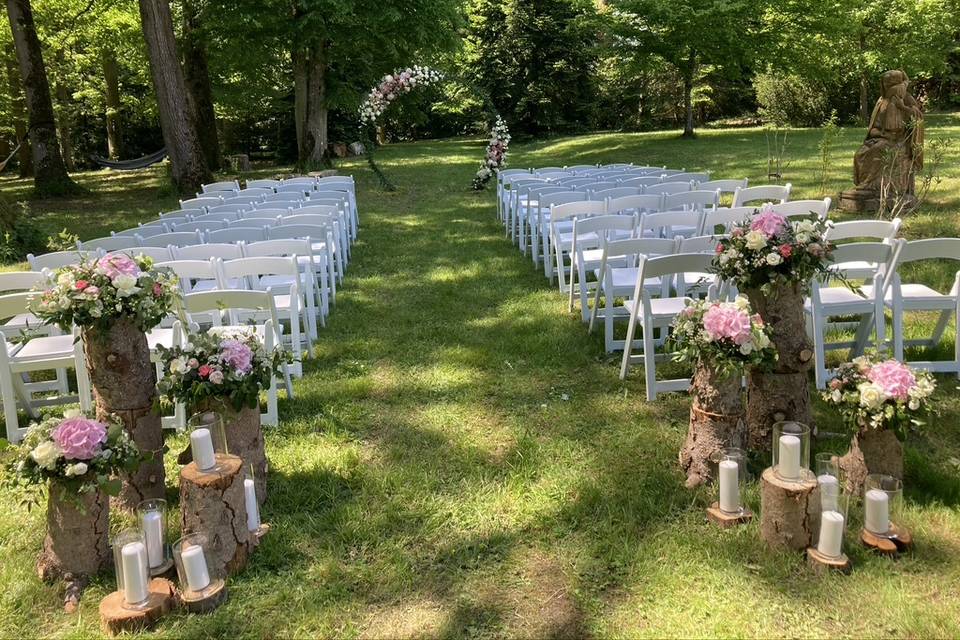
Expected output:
(879, 399)
(224, 370)
(114, 301)
(496, 157)
(772, 260)
(720, 339)
(77, 459)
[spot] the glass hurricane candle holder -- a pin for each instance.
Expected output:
(152, 515)
(208, 437)
(827, 467)
(197, 579)
(730, 470)
(833, 527)
(882, 504)
(133, 574)
(791, 451)
(250, 500)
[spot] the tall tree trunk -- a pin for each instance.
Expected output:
(864, 82)
(112, 95)
(64, 118)
(688, 74)
(50, 175)
(17, 112)
(299, 57)
(197, 74)
(310, 105)
(178, 119)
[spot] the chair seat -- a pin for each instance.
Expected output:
(277, 281)
(693, 279)
(45, 348)
(662, 307)
(210, 285)
(160, 337)
(918, 296)
(841, 295)
(21, 321)
(625, 279)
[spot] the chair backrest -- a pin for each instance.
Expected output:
(266, 217)
(279, 200)
(797, 208)
(880, 253)
(615, 192)
(217, 301)
(327, 220)
(13, 304)
(283, 247)
(645, 171)
(256, 191)
(181, 213)
(581, 167)
(216, 215)
(227, 210)
(640, 181)
(678, 263)
(299, 180)
(229, 185)
(318, 209)
(203, 225)
(726, 218)
(635, 204)
(300, 190)
(109, 243)
(666, 173)
(603, 226)
(538, 191)
(282, 232)
(669, 188)
(189, 271)
(262, 183)
(222, 250)
(694, 199)
(176, 239)
(573, 182)
(157, 254)
(57, 259)
(270, 211)
(929, 249)
(201, 202)
(699, 244)
(561, 197)
(661, 223)
(689, 176)
(243, 200)
(20, 280)
(635, 247)
(725, 186)
(885, 230)
(762, 193)
(144, 231)
(598, 185)
(582, 209)
(237, 234)
(339, 200)
(257, 266)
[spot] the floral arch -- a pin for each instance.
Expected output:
(403, 81)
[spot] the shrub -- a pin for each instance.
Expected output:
(787, 99)
(18, 234)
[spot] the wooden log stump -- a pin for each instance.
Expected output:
(77, 543)
(212, 598)
(821, 563)
(124, 385)
(244, 434)
(116, 618)
(789, 511)
(898, 540)
(784, 393)
(213, 503)
(727, 520)
(716, 422)
(871, 451)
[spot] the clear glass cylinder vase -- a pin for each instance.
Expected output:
(882, 504)
(791, 451)
(730, 469)
(154, 525)
(133, 574)
(197, 578)
(833, 526)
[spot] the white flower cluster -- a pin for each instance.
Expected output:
(391, 87)
(496, 156)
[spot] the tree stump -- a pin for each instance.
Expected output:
(898, 541)
(784, 393)
(789, 511)
(245, 440)
(822, 564)
(716, 422)
(77, 543)
(213, 503)
(207, 603)
(871, 451)
(116, 618)
(124, 385)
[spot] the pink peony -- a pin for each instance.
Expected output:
(786, 250)
(726, 321)
(118, 264)
(80, 438)
(769, 223)
(92, 291)
(237, 355)
(895, 378)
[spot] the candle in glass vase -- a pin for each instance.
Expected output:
(134, 567)
(876, 506)
(829, 491)
(789, 459)
(195, 566)
(729, 486)
(152, 524)
(831, 534)
(201, 444)
(253, 511)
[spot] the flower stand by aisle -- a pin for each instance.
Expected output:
(720, 338)
(77, 458)
(772, 261)
(114, 301)
(879, 399)
(224, 371)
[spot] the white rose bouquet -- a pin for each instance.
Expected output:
(391, 87)
(880, 394)
(496, 156)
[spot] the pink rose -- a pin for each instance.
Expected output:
(237, 356)
(193, 363)
(204, 370)
(815, 249)
(895, 378)
(81, 285)
(157, 290)
(725, 321)
(768, 223)
(118, 264)
(92, 291)
(216, 377)
(80, 438)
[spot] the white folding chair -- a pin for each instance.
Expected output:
(235, 234)
(725, 186)
(57, 259)
(503, 178)
(227, 185)
(539, 217)
(640, 181)
(302, 249)
(763, 193)
(512, 197)
(202, 226)
(262, 184)
(669, 224)
(693, 283)
(109, 243)
(174, 239)
(690, 176)
(562, 220)
(722, 220)
(195, 275)
(280, 201)
(243, 201)
(615, 192)
(586, 252)
(201, 202)
(322, 240)
(803, 208)
(222, 250)
(224, 213)
(699, 200)
(669, 188)
(639, 204)
(529, 201)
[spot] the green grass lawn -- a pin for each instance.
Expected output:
(461, 459)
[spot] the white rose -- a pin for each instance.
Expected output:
(803, 238)
(762, 341)
(177, 365)
(871, 395)
(126, 285)
(742, 303)
(755, 240)
(77, 469)
(46, 454)
(746, 348)
(836, 396)
(774, 259)
(66, 279)
(914, 404)
(72, 413)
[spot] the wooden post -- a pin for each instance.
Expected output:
(871, 451)
(784, 393)
(716, 421)
(213, 503)
(116, 618)
(789, 511)
(124, 385)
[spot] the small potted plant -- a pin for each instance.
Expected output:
(879, 399)
(720, 339)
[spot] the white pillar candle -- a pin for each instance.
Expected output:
(877, 511)
(729, 486)
(133, 558)
(829, 491)
(789, 458)
(201, 444)
(152, 524)
(831, 534)
(195, 566)
(253, 511)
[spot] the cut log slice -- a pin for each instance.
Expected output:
(898, 541)
(789, 511)
(727, 520)
(213, 597)
(116, 618)
(821, 563)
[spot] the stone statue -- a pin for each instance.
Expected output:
(893, 149)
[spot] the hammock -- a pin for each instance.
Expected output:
(3, 165)
(130, 165)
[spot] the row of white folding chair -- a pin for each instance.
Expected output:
(762, 193)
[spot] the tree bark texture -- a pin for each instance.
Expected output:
(310, 106)
(111, 81)
(196, 72)
(244, 440)
(871, 451)
(789, 511)
(124, 385)
(64, 119)
(717, 421)
(49, 172)
(178, 119)
(688, 74)
(77, 542)
(784, 393)
(18, 113)
(213, 504)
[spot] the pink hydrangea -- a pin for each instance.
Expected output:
(80, 438)
(768, 223)
(237, 356)
(118, 264)
(895, 378)
(726, 321)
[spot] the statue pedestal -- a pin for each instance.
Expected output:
(868, 201)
